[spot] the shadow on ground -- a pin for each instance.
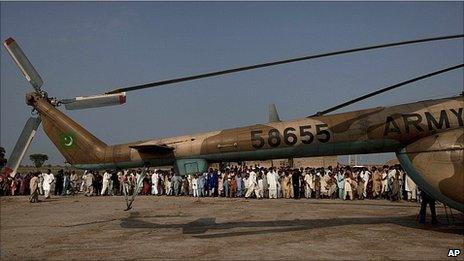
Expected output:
(199, 227)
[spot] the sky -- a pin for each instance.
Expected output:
(86, 48)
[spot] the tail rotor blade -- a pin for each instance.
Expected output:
(24, 140)
(28, 70)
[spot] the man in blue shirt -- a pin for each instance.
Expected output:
(212, 182)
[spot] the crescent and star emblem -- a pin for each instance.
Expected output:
(67, 140)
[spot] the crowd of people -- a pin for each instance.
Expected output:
(343, 182)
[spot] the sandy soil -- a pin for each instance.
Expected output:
(216, 228)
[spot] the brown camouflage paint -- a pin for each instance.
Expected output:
(431, 132)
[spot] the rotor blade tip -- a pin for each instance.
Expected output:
(122, 99)
(9, 41)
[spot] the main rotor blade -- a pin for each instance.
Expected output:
(389, 88)
(24, 140)
(28, 70)
(268, 64)
(95, 101)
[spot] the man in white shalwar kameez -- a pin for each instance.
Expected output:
(324, 190)
(106, 180)
(252, 185)
(272, 181)
(48, 179)
(154, 182)
(260, 182)
(309, 184)
(195, 185)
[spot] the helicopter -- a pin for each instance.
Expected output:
(426, 136)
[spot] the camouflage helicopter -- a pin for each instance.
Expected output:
(427, 136)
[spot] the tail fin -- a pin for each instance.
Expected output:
(76, 144)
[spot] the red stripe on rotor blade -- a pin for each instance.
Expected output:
(9, 41)
(122, 99)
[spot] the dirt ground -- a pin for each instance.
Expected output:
(78, 227)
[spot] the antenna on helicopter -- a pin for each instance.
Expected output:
(389, 88)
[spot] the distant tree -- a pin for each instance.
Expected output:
(2, 157)
(38, 159)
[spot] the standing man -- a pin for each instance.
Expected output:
(296, 184)
(66, 181)
(41, 191)
(74, 180)
(384, 180)
(59, 183)
(238, 180)
(260, 183)
(89, 184)
(176, 182)
(190, 183)
(212, 182)
(48, 179)
(340, 177)
(34, 187)
(201, 184)
(115, 182)
(105, 181)
(308, 179)
(272, 181)
(376, 183)
(426, 199)
(410, 188)
(83, 179)
(233, 185)
(252, 185)
(365, 173)
(195, 185)
(154, 182)
(287, 185)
